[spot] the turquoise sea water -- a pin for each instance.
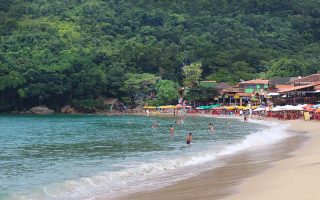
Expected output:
(91, 156)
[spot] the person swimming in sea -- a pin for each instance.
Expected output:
(227, 125)
(189, 138)
(154, 125)
(211, 128)
(181, 120)
(171, 131)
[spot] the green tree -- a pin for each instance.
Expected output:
(222, 75)
(286, 67)
(237, 71)
(76, 49)
(10, 79)
(201, 94)
(139, 86)
(191, 73)
(167, 92)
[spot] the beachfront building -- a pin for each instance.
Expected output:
(246, 91)
(254, 86)
(302, 94)
(301, 90)
(277, 84)
(307, 80)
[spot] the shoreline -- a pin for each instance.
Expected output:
(240, 183)
(294, 178)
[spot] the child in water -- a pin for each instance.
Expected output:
(189, 138)
(227, 125)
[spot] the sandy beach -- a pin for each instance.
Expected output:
(287, 170)
(295, 178)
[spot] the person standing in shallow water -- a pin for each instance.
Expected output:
(245, 118)
(189, 138)
(211, 128)
(171, 131)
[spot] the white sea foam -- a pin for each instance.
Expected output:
(272, 134)
(164, 171)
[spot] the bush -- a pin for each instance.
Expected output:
(152, 102)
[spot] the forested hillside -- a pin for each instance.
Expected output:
(55, 51)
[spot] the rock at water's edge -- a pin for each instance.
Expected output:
(68, 110)
(41, 110)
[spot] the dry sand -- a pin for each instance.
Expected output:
(250, 175)
(295, 178)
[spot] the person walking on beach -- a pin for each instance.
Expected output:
(171, 131)
(189, 138)
(211, 128)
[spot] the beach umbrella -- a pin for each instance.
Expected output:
(240, 107)
(309, 109)
(261, 108)
(230, 107)
(149, 107)
(208, 107)
(214, 105)
(288, 108)
(316, 106)
(168, 107)
(218, 108)
(274, 94)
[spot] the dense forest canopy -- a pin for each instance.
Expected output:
(53, 52)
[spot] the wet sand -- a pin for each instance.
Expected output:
(240, 177)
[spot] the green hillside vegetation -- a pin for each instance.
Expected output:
(54, 52)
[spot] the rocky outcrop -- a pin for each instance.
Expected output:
(41, 110)
(68, 110)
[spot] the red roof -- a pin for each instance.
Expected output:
(257, 81)
(307, 79)
(299, 87)
(283, 87)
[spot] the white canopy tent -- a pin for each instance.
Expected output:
(274, 94)
(288, 108)
(260, 109)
